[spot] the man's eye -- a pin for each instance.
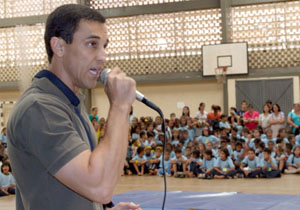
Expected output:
(92, 44)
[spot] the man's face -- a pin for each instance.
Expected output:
(83, 59)
(244, 106)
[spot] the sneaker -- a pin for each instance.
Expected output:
(240, 175)
(182, 175)
(286, 171)
(201, 176)
(169, 175)
(177, 176)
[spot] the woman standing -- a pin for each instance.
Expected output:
(294, 119)
(276, 120)
(264, 117)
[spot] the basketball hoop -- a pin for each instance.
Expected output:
(221, 74)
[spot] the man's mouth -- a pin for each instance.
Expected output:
(94, 71)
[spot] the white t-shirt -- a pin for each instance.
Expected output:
(201, 116)
(264, 120)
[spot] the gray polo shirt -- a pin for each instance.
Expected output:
(45, 133)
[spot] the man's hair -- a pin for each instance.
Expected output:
(63, 22)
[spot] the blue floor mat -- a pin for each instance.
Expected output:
(177, 200)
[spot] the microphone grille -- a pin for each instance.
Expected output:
(103, 76)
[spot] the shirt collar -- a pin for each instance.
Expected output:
(74, 100)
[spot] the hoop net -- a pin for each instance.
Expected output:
(221, 74)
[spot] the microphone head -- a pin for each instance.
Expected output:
(103, 76)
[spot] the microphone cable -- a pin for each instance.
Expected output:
(163, 127)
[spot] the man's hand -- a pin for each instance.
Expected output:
(120, 89)
(125, 206)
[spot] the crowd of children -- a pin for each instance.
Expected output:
(214, 145)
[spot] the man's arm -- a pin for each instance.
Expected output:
(95, 174)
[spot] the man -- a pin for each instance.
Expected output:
(52, 144)
(244, 105)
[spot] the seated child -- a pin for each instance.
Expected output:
(167, 164)
(194, 164)
(294, 162)
(269, 165)
(139, 161)
(260, 150)
(238, 154)
(280, 157)
(224, 167)
(269, 137)
(224, 123)
(250, 166)
(179, 164)
(7, 182)
(207, 164)
(209, 146)
(154, 162)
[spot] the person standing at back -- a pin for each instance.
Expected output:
(51, 141)
(251, 118)
(244, 105)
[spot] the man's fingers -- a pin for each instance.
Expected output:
(127, 206)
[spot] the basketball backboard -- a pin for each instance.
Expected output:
(234, 56)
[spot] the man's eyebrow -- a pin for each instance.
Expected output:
(93, 37)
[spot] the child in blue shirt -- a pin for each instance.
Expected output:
(280, 156)
(269, 165)
(139, 161)
(205, 136)
(207, 165)
(154, 162)
(209, 146)
(282, 135)
(7, 182)
(224, 123)
(191, 129)
(250, 166)
(256, 135)
(269, 137)
(260, 150)
(175, 137)
(167, 163)
(238, 154)
(194, 164)
(179, 164)
(224, 167)
(293, 162)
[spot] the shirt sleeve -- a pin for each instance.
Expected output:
(51, 135)
(290, 159)
(230, 162)
(245, 161)
(274, 162)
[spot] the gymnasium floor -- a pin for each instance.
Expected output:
(287, 184)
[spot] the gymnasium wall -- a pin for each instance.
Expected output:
(169, 97)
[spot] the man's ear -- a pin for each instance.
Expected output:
(58, 46)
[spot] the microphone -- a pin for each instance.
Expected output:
(139, 96)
